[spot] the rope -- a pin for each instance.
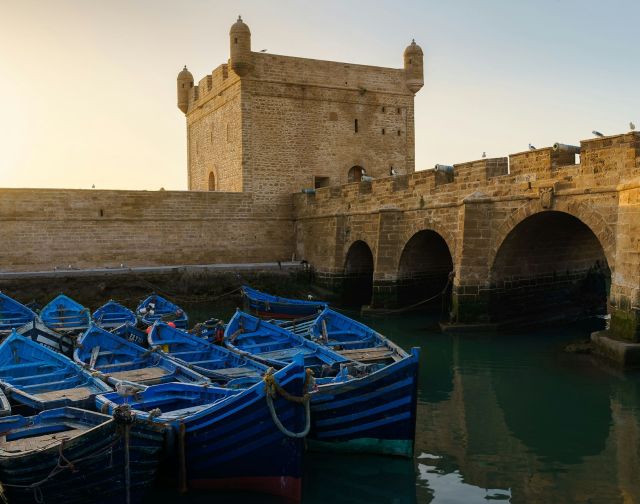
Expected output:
(273, 388)
(415, 305)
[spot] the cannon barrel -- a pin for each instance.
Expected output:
(308, 191)
(444, 168)
(573, 149)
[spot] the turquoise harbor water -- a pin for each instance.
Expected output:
(507, 417)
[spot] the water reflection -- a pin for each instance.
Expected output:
(358, 480)
(500, 417)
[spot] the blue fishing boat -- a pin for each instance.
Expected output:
(73, 456)
(213, 361)
(131, 333)
(365, 407)
(158, 308)
(120, 361)
(40, 333)
(40, 378)
(63, 314)
(13, 314)
(271, 345)
(268, 306)
(348, 337)
(249, 439)
(111, 315)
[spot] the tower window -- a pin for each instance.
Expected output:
(383, 131)
(398, 110)
(398, 132)
(383, 110)
(355, 125)
(409, 60)
(212, 181)
(235, 40)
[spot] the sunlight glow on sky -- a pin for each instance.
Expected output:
(87, 88)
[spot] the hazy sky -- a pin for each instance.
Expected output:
(87, 87)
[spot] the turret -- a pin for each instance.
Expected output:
(185, 83)
(240, 41)
(413, 67)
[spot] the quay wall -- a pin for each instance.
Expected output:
(46, 229)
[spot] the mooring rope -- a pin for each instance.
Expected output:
(273, 388)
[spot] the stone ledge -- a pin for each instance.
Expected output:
(625, 354)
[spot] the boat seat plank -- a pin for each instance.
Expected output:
(367, 354)
(140, 375)
(236, 372)
(73, 394)
(286, 353)
(38, 442)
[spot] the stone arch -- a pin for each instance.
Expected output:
(594, 220)
(212, 181)
(550, 262)
(424, 267)
(355, 174)
(358, 274)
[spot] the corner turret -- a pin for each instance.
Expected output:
(413, 67)
(240, 42)
(185, 83)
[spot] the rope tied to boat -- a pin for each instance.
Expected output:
(62, 464)
(124, 418)
(273, 389)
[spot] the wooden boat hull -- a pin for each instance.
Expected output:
(267, 306)
(34, 375)
(373, 414)
(97, 455)
(163, 310)
(112, 315)
(63, 314)
(213, 361)
(40, 333)
(13, 314)
(235, 444)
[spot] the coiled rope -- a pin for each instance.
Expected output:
(273, 389)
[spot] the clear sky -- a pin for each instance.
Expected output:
(87, 87)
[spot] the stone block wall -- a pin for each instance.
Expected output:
(478, 209)
(42, 229)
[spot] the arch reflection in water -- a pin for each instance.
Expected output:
(357, 479)
(446, 485)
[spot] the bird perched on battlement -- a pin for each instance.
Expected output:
(263, 50)
(632, 126)
(392, 171)
(597, 133)
(484, 154)
(532, 147)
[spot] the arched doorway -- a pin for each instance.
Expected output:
(355, 174)
(212, 181)
(550, 265)
(423, 272)
(358, 275)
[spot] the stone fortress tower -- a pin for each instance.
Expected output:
(273, 125)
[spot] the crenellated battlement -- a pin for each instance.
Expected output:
(604, 162)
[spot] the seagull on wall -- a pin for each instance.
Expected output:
(93, 186)
(632, 126)
(532, 147)
(484, 154)
(597, 133)
(263, 50)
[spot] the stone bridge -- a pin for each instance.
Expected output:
(543, 231)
